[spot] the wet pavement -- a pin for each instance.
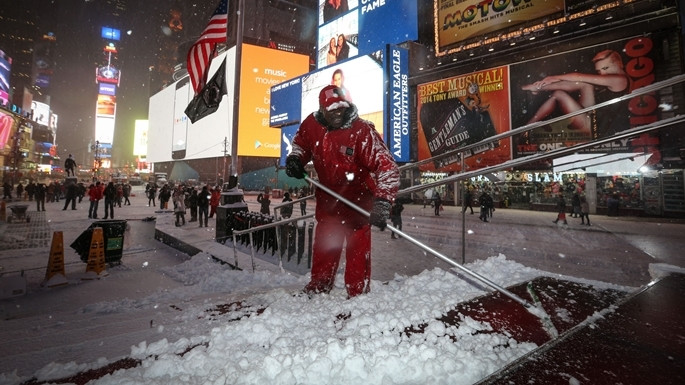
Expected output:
(616, 250)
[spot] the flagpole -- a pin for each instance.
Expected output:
(236, 89)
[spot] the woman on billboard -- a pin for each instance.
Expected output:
(565, 88)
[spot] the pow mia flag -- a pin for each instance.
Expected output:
(209, 98)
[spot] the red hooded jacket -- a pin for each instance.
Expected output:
(352, 160)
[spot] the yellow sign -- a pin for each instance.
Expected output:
(459, 20)
(56, 259)
(96, 255)
(262, 68)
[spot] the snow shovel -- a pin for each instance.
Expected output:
(537, 311)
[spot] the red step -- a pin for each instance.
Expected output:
(641, 341)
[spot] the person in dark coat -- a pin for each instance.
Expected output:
(287, 210)
(303, 207)
(72, 193)
(575, 204)
(396, 217)
(203, 205)
(561, 209)
(265, 202)
(437, 202)
(486, 205)
(40, 192)
(192, 204)
(468, 201)
(31, 190)
(110, 194)
(612, 205)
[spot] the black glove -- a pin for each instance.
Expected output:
(380, 213)
(294, 168)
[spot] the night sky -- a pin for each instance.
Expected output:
(73, 91)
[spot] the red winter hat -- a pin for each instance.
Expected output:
(331, 98)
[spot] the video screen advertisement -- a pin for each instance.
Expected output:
(140, 138)
(261, 69)
(361, 27)
(559, 84)
(462, 110)
(5, 71)
(7, 123)
(376, 84)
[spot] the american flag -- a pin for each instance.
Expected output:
(200, 53)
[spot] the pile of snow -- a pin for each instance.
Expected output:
(279, 336)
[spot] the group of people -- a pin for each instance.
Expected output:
(202, 202)
(580, 208)
(113, 195)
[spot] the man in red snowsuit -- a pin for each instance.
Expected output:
(351, 159)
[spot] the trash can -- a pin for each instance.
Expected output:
(113, 234)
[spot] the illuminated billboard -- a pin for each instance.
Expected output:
(355, 27)
(106, 105)
(377, 86)
(5, 71)
(262, 68)
(559, 84)
(6, 126)
(459, 20)
(462, 110)
(104, 129)
(140, 138)
(205, 137)
(107, 89)
(109, 33)
(41, 113)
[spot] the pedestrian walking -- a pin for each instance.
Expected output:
(396, 217)
(265, 202)
(151, 194)
(437, 202)
(561, 209)
(110, 194)
(203, 205)
(303, 207)
(71, 195)
(214, 201)
(287, 210)
(40, 191)
(584, 211)
(342, 145)
(127, 193)
(575, 206)
(468, 201)
(192, 204)
(180, 207)
(486, 205)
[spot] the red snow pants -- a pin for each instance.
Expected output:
(328, 245)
